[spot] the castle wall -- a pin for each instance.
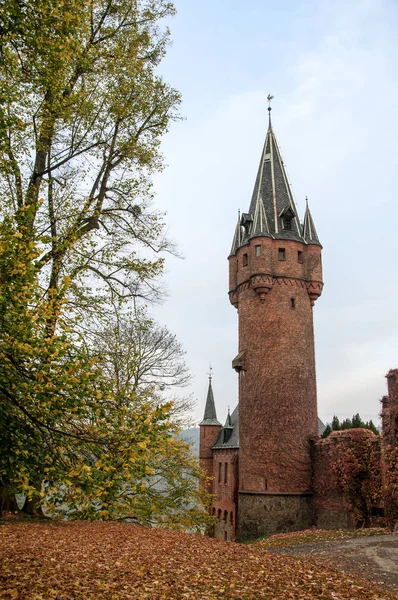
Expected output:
(347, 480)
(208, 437)
(266, 514)
(389, 416)
(225, 489)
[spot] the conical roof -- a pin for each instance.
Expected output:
(309, 232)
(272, 204)
(210, 416)
(236, 242)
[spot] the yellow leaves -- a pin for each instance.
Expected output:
(142, 445)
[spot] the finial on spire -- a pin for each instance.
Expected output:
(210, 373)
(269, 98)
(306, 201)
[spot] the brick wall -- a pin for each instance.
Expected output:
(277, 392)
(225, 489)
(208, 437)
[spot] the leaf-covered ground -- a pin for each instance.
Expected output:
(309, 536)
(104, 561)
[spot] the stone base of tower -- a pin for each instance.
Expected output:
(263, 514)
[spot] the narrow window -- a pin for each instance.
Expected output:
(219, 472)
(292, 303)
(258, 250)
(244, 260)
(300, 257)
(281, 254)
(225, 472)
(225, 536)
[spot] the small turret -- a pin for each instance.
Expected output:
(209, 430)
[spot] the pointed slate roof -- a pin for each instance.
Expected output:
(309, 232)
(236, 242)
(272, 193)
(272, 209)
(210, 416)
(232, 438)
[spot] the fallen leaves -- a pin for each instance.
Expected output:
(117, 561)
(308, 536)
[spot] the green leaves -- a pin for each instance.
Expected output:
(82, 114)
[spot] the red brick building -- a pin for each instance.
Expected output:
(267, 468)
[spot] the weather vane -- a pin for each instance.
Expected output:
(269, 98)
(210, 373)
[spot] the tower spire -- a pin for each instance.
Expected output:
(210, 416)
(309, 232)
(272, 209)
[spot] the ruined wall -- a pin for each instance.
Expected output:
(347, 480)
(389, 416)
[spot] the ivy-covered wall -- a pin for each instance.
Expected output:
(389, 416)
(347, 480)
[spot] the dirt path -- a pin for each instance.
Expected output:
(374, 558)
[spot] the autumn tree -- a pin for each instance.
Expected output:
(82, 114)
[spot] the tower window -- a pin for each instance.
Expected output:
(225, 472)
(244, 260)
(300, 258)
(258, 250)
(219, 472)
(287, 223)
(292, 303)
(281, 254)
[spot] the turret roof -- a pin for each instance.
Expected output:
(309, 232)
(232, 437)
(210, 416)
(272, 209)
(272, 190)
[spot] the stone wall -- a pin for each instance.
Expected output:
(266, 514)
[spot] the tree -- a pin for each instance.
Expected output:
(138, 355)
(82, 113)
(355, 423)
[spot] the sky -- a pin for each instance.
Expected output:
(332, 69)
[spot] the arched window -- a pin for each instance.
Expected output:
(225, 515)
(213, 511)
(219, 513)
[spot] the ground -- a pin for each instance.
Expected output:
(117, 561)
(372, 557)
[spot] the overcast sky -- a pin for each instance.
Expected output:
(332, 68)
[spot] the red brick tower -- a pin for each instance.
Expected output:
(275, 277)
(209, 431)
